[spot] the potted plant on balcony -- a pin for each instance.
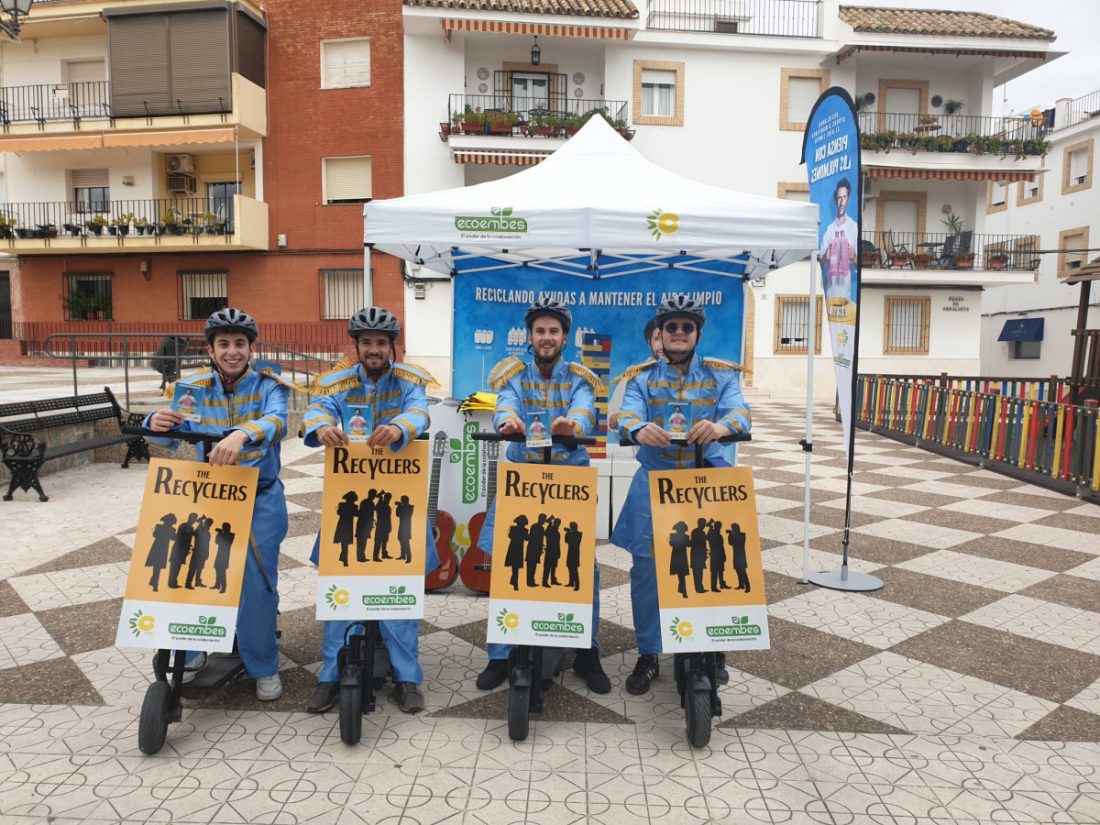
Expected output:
(211, 224)
(996, 260)
(471, 122)
(869, 256)
(96, 224)
(501, 123)
(927, 123)
(542, 125)
(7, 227)
(121, 225)
(921, 259)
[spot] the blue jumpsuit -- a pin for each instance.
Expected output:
(398, 397)
(257, 406)
(570, 391)
(713, 387)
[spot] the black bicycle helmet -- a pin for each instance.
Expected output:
(552, 307)
(647, 331)
(229, 320)
(373, 319)
(681, 305)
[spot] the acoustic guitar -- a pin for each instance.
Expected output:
(477, 565)
(442, 522)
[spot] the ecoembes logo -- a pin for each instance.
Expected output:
(397, 597)
(142, 623)
(205, 626)
(740, 627)
(466, 452)
(661, 223)
(336, 597)
(564, 624)
(499, 220)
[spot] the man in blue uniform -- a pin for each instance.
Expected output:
(248, 407)
(396, 396)
(566, 393)
(712, 387)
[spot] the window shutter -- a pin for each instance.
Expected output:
(84, 178)
(347, 180)
(345, 63)
(199, 44)
(138, 49)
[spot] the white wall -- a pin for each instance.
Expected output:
(433, 71)
(33, 62)
(1055, 353)
(41, 176)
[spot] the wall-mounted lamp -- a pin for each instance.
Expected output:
(536, 52)
(420, 291)
(14, 9)
(146, 267)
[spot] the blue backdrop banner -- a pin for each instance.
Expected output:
(490, 305)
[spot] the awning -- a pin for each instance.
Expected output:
(49, 143)
(997, 175)
(179, 137)
(1022, 329)
(499, 157)
(546, 29)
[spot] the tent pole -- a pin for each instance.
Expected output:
(367, 285)
(808, 441)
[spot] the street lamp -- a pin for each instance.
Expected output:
(14, 9)
(536, 52)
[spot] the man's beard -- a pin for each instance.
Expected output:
(545, 362)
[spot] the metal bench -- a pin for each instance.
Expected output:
(25, 453)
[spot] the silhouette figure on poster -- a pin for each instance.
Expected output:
(223, 538)
(740, 560)
(517, 538)
(678, 563)
(699, 554)
(552, 541)
(573, 538)
(199, 554)
(383, 526)
(717, 557)
(364, 523)
(404, 510)
(535, 539)
(163, 535)
(346, 512)
(185, 535)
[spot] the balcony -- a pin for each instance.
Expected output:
(134, 226)
(505, 128)
(79, 116)
(965, 259)
(772, 18)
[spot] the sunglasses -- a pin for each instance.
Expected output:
(687, 327)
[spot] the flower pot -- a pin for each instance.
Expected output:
(996, 263)
(22, 232)
(544, 131)
(899, 260)
(500, 128)
(964, 263)
(95, 228)
(921, 262)
(870, 259)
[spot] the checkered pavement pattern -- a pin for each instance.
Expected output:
(966, 690)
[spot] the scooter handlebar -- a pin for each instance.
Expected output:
(563, 440)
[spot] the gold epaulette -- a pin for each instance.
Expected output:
(505, 369)
(581, 371)
(630, 372)
(343, 376)
(269, 372)
(723, 364)
(200, 378)
(415, 374)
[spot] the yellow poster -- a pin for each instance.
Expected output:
(189, 554)
(374, 528)
(706, 544)
(544, 551)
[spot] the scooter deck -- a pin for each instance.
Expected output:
(220, 668)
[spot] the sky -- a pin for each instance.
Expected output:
(1075, 22)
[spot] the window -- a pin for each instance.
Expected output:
(1026, 252)
(1072, 244)
(347, 180)
(1077, 167)
(658, 93)
(996, 197)
(90, 190)
(88, 296)
(203, 293)
(799, 89)
(1026, 350)
(343, 293)
(906, 330)
(1030, 191)
(530, 91)
(792, 321)
(345, 64)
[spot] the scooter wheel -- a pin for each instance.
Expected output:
(153, 724)
(519, 712)
(351, 712)
(698, 712)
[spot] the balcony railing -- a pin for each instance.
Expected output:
(774, 18)
(887, 249)
(119, 218)
(1083, 108)
(975, 134)
(503, 114)
(55, 101)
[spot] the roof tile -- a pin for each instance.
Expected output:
(575, 8)
(938, 22)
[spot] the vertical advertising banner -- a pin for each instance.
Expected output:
(544, 552)
(374, 520)
(831, 154)
(706, 544)
(189, 553)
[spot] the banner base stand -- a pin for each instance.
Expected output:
(844, 579)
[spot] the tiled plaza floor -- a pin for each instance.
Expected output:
(967, 690)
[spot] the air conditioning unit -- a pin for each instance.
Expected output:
(180, 164)
(181, 184)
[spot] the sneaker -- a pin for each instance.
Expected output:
(494, 675)
(195, 664)
(723, 674)
(586, 664)
(324, 697)
(408, 697)
(645, 671)
(269, 688)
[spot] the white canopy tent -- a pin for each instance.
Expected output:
(597, 208)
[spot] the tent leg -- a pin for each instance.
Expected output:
(807, 443)
(368, 289)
